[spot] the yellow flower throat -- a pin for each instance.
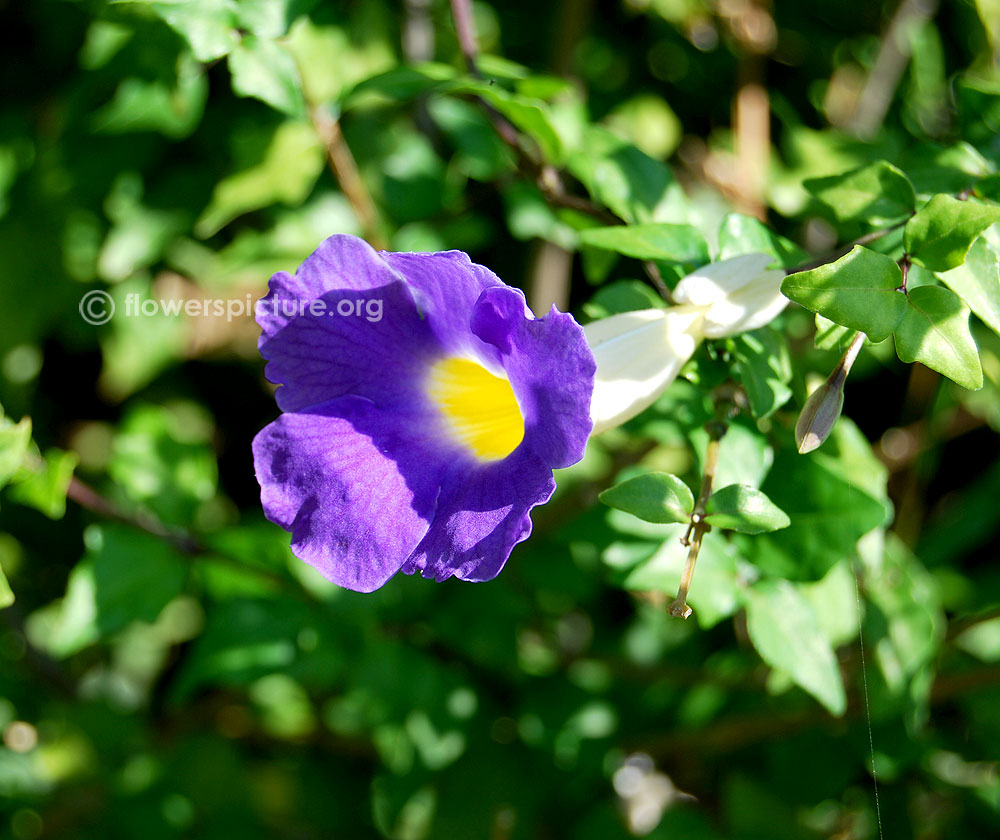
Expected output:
(479, 409)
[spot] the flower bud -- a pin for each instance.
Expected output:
(640, 353)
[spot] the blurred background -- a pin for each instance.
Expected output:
(168, 669)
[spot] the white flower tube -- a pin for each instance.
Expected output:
(640, 353)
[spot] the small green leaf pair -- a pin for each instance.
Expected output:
(663, 498)
(862, 291)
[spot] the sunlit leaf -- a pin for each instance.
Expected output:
(977, 282)
(291, 165)
(265, 70)
(942, 232)
(739, 507)
(934, 330)
(878, 193)
(856, 291)
(787, 635)
(653, 497)
(670, 243)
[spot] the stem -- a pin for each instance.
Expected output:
(653, 270)
(345, 171)
(904, 268)
(184, 541)
(465, 29)
(839, 374)
(698, 526)
(87, 497)
(835, 255)
(546, 177)
(890, 64)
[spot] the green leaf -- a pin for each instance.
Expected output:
(530, 116)
(943, 230)
(828, 503)
(135, 576)
(137, 348)
(906, 609)
(856, 291)
(670, 243)
(480, 153)
(935, 331)
(209, 26)
(10, 553)
(333, 59)
(653, 497)
(989, 187)
(292, 163)
(944, 169)
(45, 487)
(265, 70)
(719, 581)
(831, 336)
(786, 633)
(401, 84)
(152, 105)
(6, 593)
(630, 184)
(268, 18)
(245, 639)
(139, 234)
(163, 460)
(126, 575)
(744, 454)
(765, 369)
(877, 193)
(622, 296)
(15, 438)
(740, 507)
(741, 234)
(647, 121)
(977, 282)
(834, 599)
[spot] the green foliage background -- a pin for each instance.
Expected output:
(170, 670)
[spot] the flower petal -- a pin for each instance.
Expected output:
(638, 355)
(752, 306)
(550, 368)
(446, 286)
(715, 281)
(483, 512)
(338, 347)
(355, 491)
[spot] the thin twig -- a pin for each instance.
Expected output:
(890, 64)
(546, 177)
(904, 269)
(465, 29)
(183, 541)
(653, 270)
(85, 496)
(698, 525)
(833, 256)
(345, 171)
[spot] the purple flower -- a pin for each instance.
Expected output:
(424, 409)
